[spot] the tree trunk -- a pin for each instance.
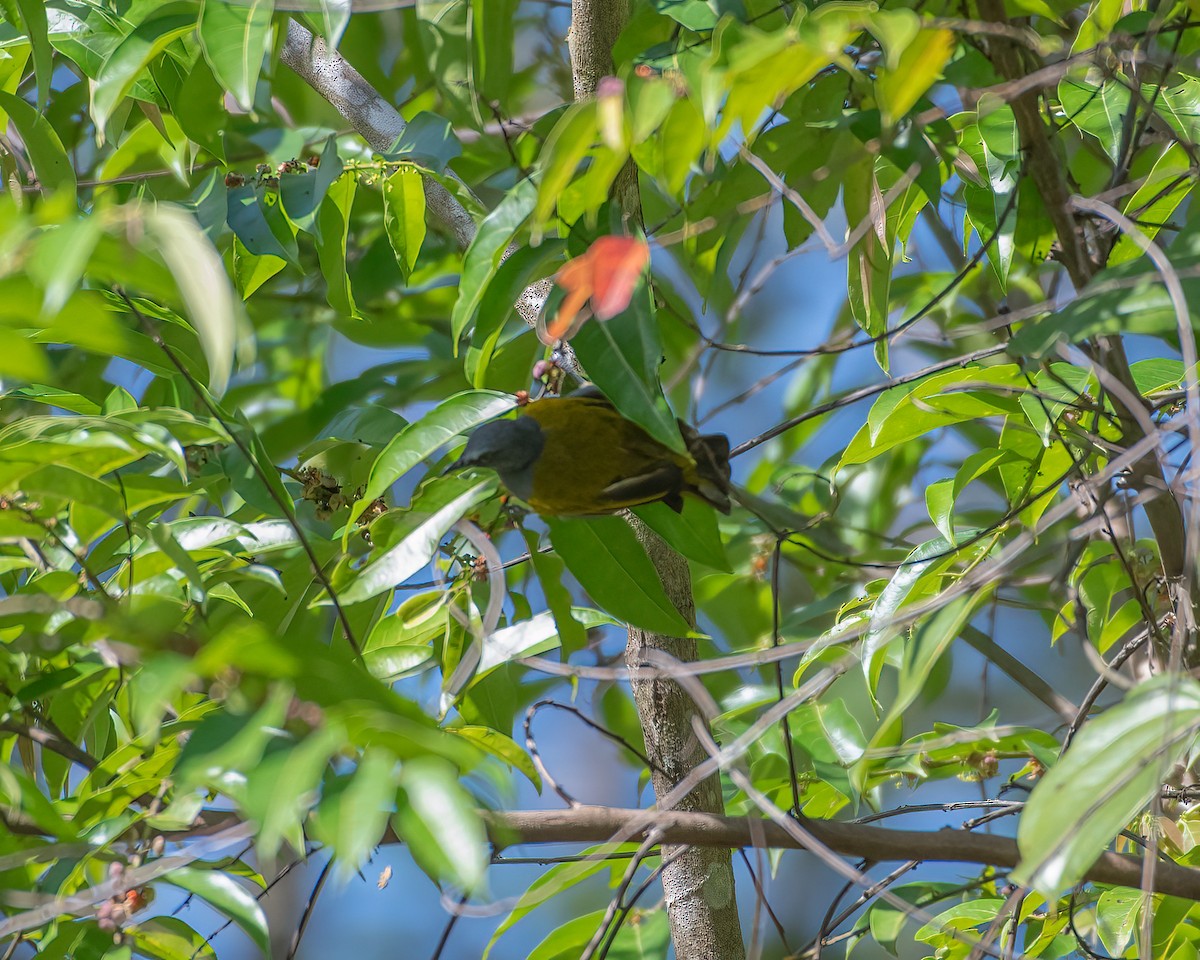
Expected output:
(697, 881)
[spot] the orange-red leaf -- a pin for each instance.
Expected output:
(606, 274)
(575, 277)
(617, 263)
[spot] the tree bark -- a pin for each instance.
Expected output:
(586, 824)
(697, 881)
(1047, 171)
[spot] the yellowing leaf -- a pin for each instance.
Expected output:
(919, 67)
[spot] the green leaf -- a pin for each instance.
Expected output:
(887, 605)
(696, 15)
(522, 639)
(1099, 111)
(130, 57)
(559, 878)
(1117, 913)
(939, 501)
(301, 194)
(605, 557)
(204, 286)
(763, 68)
(404, 216)
(422, 438)
(483, 256)
(887, 920)
(363, 808)
(34, 22)
(492, 28)
(60, 257)
(529, 637)
(1116, 763)
(402, 642)
(921, 62)
(50, 161)
(250, 271)
(247, 214)
(332, 234)
(333, 20)
(1001, 155)
(56, 397)
(525, 267)
(224, 744)
(694, 533)
(673, 153)
(896, 31)
(647, 939)
(1155, 200)
(1178, 105)
(549, 569)
(906, 413)
(82, 489)
(282, 787)
(1155, 375)
(196, 101)
(21, 359)
(429, 140)
(869, 264)
(962, 916)
(437, 819)
(566, 146)
(930, 639)
(427, 521)
(1128, 298)
(831, 736)
(234, 39)
(228, 897)
(169, 938)
(502, 747)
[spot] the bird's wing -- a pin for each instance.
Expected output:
(662, 483)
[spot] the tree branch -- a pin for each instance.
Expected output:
(1047, 172)
(369, 113)
(380, 124)
(587, 824)
(698, 882)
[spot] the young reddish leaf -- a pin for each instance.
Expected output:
(617, 262)
(607, 275)
(576, 278)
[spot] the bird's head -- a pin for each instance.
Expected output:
(510, 447)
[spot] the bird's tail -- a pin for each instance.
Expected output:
(710, 452)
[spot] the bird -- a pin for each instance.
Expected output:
(578, 456)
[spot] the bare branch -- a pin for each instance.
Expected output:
(587, 824)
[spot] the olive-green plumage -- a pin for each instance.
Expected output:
(576, 456)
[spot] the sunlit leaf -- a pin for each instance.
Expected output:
(204, 286)
(234, 39)
(227, 897)
(436, 817)
(46, 153)
(165, 23)
(483, 257)
(604, 555)
(919, 67)
(404, 215)
(429, 519)
(1114, 765)
(418, 440)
